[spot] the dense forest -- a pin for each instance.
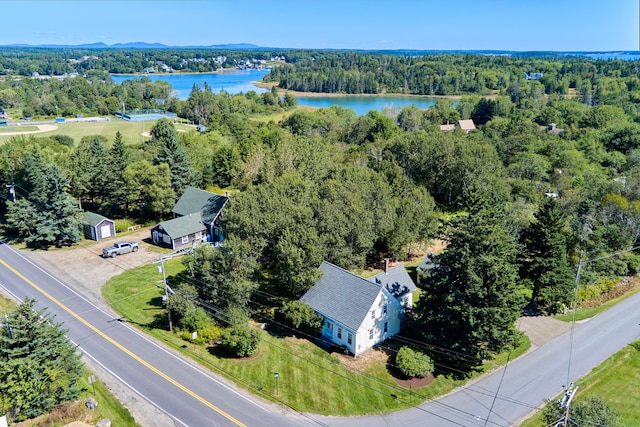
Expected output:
(551, 171)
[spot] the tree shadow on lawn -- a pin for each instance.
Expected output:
(219, 351)
(160, 320)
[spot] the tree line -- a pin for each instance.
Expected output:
(515, 199)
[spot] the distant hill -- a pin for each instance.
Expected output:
(627, 54)
(139, 45)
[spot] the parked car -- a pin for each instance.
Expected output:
(119, 248)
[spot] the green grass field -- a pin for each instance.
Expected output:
(615, 381)
(11, 129)
(131, 131)
(309, 375)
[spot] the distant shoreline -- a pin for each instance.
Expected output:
(295, 93)
(188, 73)
(299, 94)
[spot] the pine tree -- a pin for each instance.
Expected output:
(116, 185)
(39, 367)
(470, 302)
(544, 259)
(175, 156)
(90, 172)
(49, 215)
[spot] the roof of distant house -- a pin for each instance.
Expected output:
(205, 203)
(427, 263)
(466, 124)
(396, 280)
(342, 296)
(447, 127)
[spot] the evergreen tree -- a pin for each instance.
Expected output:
(544, 259)
(90, 173)
(49, 216)
(39, 367)
(116, 184)
(470, 302)
(175, 156)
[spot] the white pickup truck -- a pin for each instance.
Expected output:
(119, 248)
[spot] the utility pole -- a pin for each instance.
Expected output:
(12, 191)
(565, 404)
(6, 320)
(166, 293)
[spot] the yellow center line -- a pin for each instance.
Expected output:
(121, 347)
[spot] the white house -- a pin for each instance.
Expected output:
(360, 313)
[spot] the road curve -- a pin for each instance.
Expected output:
(193, 397)
(510, 393)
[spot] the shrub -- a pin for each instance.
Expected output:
(240, 340)
(64, 140)
(413, 363)
(195, 319)
(209, 333)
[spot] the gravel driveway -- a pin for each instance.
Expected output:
(85, 270)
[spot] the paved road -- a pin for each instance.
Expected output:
(504, 397)
(192, 397)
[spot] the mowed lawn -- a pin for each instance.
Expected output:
(310, 379)
(616, 381)
(131, 131)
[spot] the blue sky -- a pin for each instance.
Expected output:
(560, 25)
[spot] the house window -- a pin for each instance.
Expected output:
(349, 338)
(384, 309)
(339, 332)
(370, 334)
(185, 239)
(373, 314)
(199, 235)
(330, 327)
(386, 326)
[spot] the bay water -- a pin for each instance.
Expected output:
(242, 81)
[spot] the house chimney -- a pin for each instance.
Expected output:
(386, 265)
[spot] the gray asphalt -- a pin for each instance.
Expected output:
(193, 397)
(509, 394)
(187, 394)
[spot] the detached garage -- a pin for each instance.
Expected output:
(97, 227)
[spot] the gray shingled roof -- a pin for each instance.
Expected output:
(342, 296)
(207, 204)
(396, 280)
(183, 226)
(427, 264)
